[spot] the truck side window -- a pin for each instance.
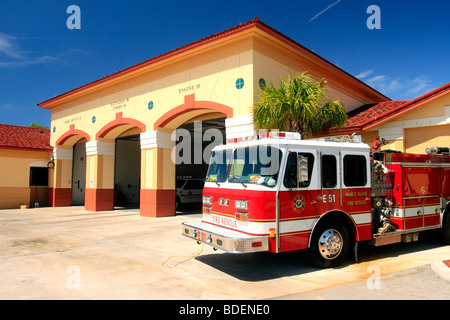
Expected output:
(329, 171)
(355, 170)
(290, 176)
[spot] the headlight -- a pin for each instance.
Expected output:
(206, 200)
(241, 204)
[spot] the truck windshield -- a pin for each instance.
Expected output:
(258, 165)
(218, 166)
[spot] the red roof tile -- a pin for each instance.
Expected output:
(16, 137)
(368, 116)
(370, 112)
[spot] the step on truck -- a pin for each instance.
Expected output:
(277, 193)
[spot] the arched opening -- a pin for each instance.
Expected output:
(114, 166)
(182, 159)
(127, 169)
(79, 173)
(67, 174)
(72, 136)
(192, 158)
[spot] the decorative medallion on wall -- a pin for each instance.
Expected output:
(150, 105)
(54, 129)
(262, 83)
(94, 119)
(239, 83)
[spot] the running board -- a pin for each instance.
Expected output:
(393, 237)
(411, 235)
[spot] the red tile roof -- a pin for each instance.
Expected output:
(410, 105)
(367, 113)
(24, 138)
(371, 115)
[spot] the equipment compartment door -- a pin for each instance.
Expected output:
(419, 182)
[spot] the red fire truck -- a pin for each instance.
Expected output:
(279, 193)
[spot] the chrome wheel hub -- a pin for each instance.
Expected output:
(330, 244)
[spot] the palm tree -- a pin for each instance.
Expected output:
(300, 104)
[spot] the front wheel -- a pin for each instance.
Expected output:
(330, 244)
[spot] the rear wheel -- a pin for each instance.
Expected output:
(330, 244)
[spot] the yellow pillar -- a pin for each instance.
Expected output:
(99, 176)
(60, 194)
(157, 197)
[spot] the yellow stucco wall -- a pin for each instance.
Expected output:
(418, 139)
(210, 72)
(209, 78)
(15, 178)
(271, 64)
(424, 126)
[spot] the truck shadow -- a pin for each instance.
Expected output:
(269, 266)
(260, 266)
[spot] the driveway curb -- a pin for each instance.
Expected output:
(441, 269)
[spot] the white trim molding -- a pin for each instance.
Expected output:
(156, 139)
(239, 127)
(62, 154)
(100, 148)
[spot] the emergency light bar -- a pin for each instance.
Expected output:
(284, 135)
(270, 135)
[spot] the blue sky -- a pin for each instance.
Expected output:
(41, 58)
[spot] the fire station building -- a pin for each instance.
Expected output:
(112, 137)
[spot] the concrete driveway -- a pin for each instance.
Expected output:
(68, 253)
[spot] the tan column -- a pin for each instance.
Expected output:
(59, 195)
(99, 194)
(157, 175)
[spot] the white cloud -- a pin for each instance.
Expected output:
(419, 85)
(397, 87)
(9, 47)
(324, 10)
(364, 74)
(376, 79)
(12, 54)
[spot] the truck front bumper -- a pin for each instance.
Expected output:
(227, 240)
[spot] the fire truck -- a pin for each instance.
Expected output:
(277, 193)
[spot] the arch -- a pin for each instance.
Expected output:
(72, 132)
(119, 121)
(190, 106)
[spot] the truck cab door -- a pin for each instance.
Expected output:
(330, 191)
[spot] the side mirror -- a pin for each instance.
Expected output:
(302, 169)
